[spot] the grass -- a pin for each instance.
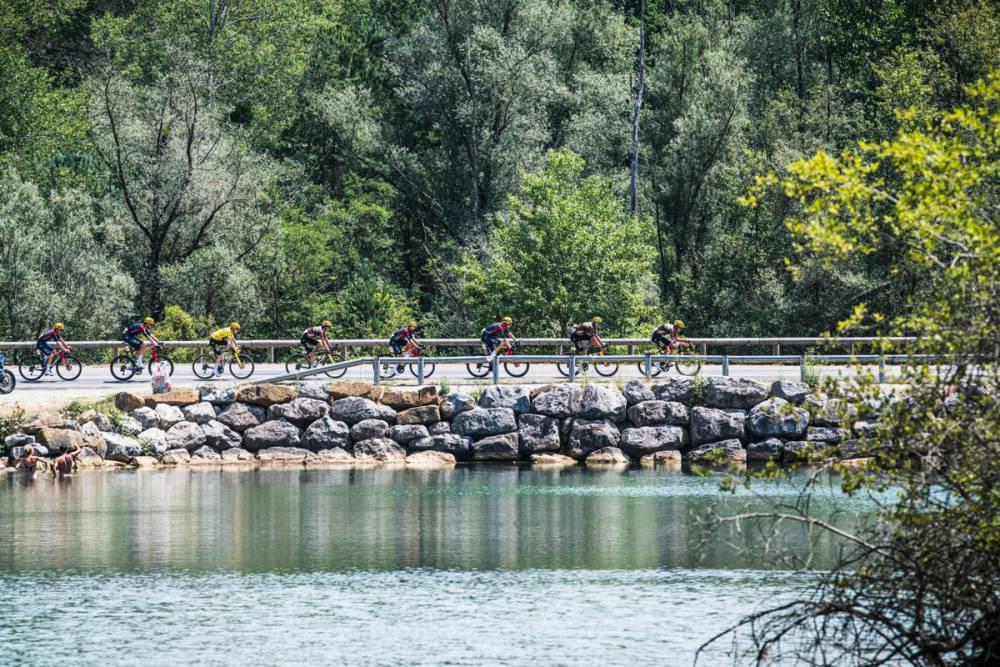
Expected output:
(444, 388)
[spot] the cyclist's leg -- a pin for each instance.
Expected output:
(132, 344)
(397, 351)
(217, 353)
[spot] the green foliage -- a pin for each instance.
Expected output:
(369, 306)
(9, 425)
(565, 251)
(444, 388)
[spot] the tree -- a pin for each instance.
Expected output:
(918, 585)
(565, 251)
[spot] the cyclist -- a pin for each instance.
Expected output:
(669, 336)
(221, 340)
(495, 333)
(43, 346)
(584, 336)
(314, 337)
(131, 337)
(401, 338)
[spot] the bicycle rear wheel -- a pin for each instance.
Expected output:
(480, 369)
(31, 368)
(204, 366)
(296, 362)
(122, 368)
(581, 368)
(428, 369)
(243, 368)
(516, 369)
(69, 368)
(654, 369)
(7, 382)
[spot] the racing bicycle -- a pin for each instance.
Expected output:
(584, 363)
(298, 360)
(517, 369)
(240, 364)
(689, 366)
(33, 366)
(389, 370)
(7, 380)
(124, 366)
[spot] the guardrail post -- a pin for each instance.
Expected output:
(630, 349)
(649, 365)
(776, 349)
(270, 354)
(802, 367)
(420, 371)
(881, 369)
(572, 368)
(704, 349)
(725, 364)
(496, 371)
(375, 376)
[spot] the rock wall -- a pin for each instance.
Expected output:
(355, 423)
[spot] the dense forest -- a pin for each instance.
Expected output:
(367, 161)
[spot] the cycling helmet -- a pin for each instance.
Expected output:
(58, 326)
(235, 326)
(412, 324)
(679, 324)
(327, 324)
(507, 321)
(150, 321)
(597, 320)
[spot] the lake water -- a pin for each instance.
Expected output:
(474, 566)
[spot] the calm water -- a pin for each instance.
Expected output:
(474, 566)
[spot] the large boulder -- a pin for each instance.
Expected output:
(121, 448)
(199, 413)
(353, 409)
(636, 391)
(18, 440)
(169, 415)
(127, 401)
(673, 389)
(768, 450)
(458, 445)
(665, 458)
(44, 420)
(656, 413)
(379, 450)
(439, 428)
(514, 397)
(866, 429)
(425, 414)
(538, 433)
(552, 460)
(793, 392)
(484, 422)
(265, 395)
(154, 440)
(351, 388)
(300, 411)
(404, 399)
(217, 395)
(334, 456)
(175, 397)
(638, 442)
(314, 389)
(563, 400)
(598, 402)
(277, 433)
(711, 425)
(186, 435)
(829, 412)
(430, 459)
(404, 434)
(588, 435)
(129, 425)
(283, 455)
(173, 457)
(776, 417)
(730, 392)
(59, 439)
(236, 455)
(205, 454)
(496, 448)
(730, 451)
(88, 459)
(799, 450)
(366, 429)
(326, 433)
(608, 456)
(827, 434)
(220, 436)
(147, 418)
(454, 403)
(240, 416)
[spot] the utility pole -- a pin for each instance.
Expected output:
(634, 181)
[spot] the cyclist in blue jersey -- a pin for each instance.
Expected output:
(133, 337)
(44, 345)
(402, 338)
(494, 333)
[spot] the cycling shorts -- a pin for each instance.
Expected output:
(218, 347)
(132, 341)
(309, 343)
(43, 347)
(489, 341)
(397, 347)
(661, 340)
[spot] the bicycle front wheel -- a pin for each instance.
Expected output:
(8, 382)
(151, 364)
(69, 368)
(654, 369)
(688, 366)
(606, 369)
(480, 369)
(335, 357)
(204, 366)
(516, 369)
(428, 370)
(122, 368)
(241, 368)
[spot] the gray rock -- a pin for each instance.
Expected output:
(598, 402)
(130, 426)
(220, 436)
(673, 389)
(711, 425)
(18, 440)
(732, 452)
(217, 395)
(667, 458)
(314, 389)
(776, 417)
(563, 400)
(71, 425)
(326, 433)
(608, 456)
(483, 422)
(379, 450)
(185, 434)
(147, 418)
(199, 413)
(439, 428)
(538, 433)
(656, 413)
(827, 434)
(551, 459)
(300, 411)
(353, 409)
(496, 448)
(21, 451)
(88, 459)
(458, 445)
(638, 442)
(241, 416)
(236, 455)
(404, 434)
(799, 450)
(424, 414)
(169, 415)
(793, 392)
(768, 450)
(283, 455)
(866, 429)
(636, 392)
(277, 433)
(456, 402)
(588, 435)
(514, 397)
(121, 448)
(335, 455)
(366, 429)
(103, 422)
(154, 439)
(205, 454)
(829, 412)
(430, 459)
(91, 429)
(174, 457)
(730, 392)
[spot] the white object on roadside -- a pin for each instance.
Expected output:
(161, 383)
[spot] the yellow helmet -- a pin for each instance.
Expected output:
(235, 326)
(596, 320)
(327, 324)
(412, 324)
(150, 321)
(507, 320)
(58, 326)
(679, 324)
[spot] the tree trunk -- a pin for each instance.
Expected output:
(634, 182)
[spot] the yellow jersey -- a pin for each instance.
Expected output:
(222, 334)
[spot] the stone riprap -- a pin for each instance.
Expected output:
(710, 420)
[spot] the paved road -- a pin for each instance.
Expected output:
(96, 382)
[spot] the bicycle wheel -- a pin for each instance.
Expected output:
(606, 369)
(654, 369)
(296, 362)
(163, 360)
(516, 369)
(7, 382)
(334, 357)
(69, 368)
(480, 369)
(31, 368)
(122, 368)
(428, 370)
(581, 368)
(243, 368)
(688, 366)
(204, 366)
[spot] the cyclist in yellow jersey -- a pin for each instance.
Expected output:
(221, 340)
